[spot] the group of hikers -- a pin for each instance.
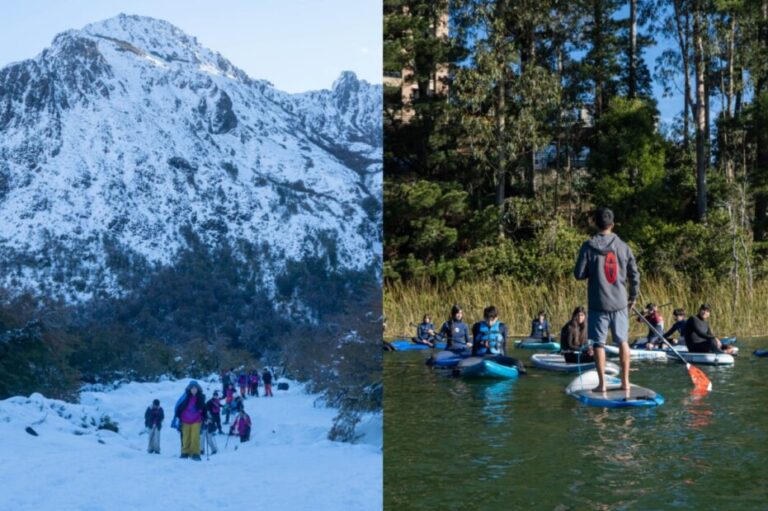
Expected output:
(613, 283)
(199, 419)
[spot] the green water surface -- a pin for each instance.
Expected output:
(457, 444)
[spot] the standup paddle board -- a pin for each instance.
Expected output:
(537, 344)
(556, 362)
(714, 359)
(659, 355)
(581, 388)
(447, 358)
(408, 345)
(488, 367)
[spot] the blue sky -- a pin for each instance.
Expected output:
(298, 45)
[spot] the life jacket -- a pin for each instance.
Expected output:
(492, 335)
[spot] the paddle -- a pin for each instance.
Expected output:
(700, 381)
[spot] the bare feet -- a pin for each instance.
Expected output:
(599, 390)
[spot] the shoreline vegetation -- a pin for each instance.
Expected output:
(506, 127)
(735, 312)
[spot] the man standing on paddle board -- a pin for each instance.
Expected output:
(608, 264)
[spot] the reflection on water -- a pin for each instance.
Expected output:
(699, 410)
(524, 444)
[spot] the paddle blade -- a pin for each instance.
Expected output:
(700, 381)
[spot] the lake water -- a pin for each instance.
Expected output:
(457, 444)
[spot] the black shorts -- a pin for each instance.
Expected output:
(571, 357)
(702, 347)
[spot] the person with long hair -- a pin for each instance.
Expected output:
(574, 343)
(190, 412)
(455, 331)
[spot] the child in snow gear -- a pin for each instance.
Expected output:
(213, 407)
(254, 381)
(153, 421)
(242, 425)
(242, 382)
(191, 412)
(226, 379)
(267, 378)
(237, 404)
(209, 428)
(229, 396)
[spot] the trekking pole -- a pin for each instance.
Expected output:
(207, 446)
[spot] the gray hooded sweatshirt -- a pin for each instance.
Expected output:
(609, 264)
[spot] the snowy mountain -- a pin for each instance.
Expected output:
(288, 464)
(123, 139)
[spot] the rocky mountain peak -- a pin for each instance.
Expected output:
(123, 136)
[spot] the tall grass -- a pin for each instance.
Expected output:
(735, 309)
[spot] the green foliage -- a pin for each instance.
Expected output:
(33, 354)
(627, 161)
(340, 355)
(422, 218)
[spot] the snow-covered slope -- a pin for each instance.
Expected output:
(122, 136)
(289, 464)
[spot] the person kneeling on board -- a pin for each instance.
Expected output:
(698, 334)
(678, 326)
(540, 327)
(573, 339)
(655, 327)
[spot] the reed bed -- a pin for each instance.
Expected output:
(736, 309)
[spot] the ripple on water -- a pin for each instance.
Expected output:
(456, 444)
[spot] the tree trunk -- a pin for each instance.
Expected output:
(528, 60)
(682, 22)
(701, 128)
(730, 173)
(597, 45)
(632, 85)
(501, 126)
(761, 165)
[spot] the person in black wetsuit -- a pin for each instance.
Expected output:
(677, 326)
(455, 331)
(425, 332)
(698, 335)
(573, 339)
(540, 327)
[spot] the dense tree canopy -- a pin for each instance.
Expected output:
(548, 112)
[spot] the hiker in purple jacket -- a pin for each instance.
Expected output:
(242, 382)
(191, 412)
(254, 383)
(609, 266)
(153, 421)
(242, 425)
